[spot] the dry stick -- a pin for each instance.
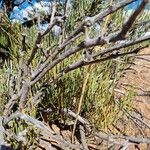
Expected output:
(82, 63)
(27, 118)
(85, 123)
(39, 69)
(41, 35)
(38, 41)
(130, 139)
(80, 102)
(83, 90)
(26, 85)
(23, 70)
(106, 21)
(125, 145)
(134, 118)
(54, 137)
(87, 22)
(10, 104)
(53, 11)
(105, 51)
(83, 139)
(67, 3)
(93, 42)
(84, 86)
(66, 54)
(130, 22)
(1, 132)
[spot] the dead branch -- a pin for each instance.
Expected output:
(1, 131)
(126, 27)
(38, 41)
(83, 62)
(85, 123)
(38, 124)
(130, 139)
(83, 139)
(88, 22)
(56, 55)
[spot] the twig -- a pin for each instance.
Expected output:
(80, 29)
(27, 118)
(83, 62)
(87, 44)
(67, 53)
(53, 22)
(56, 52)
(66, 8)
(136, 118)
(38, 41)
(125, 44)
(89, 21)
(83, 140)
(132, 116)
(62, 143)
(24, 94)
(129, 23)
(10, 104)
(130, 139)
(85, 123)
(1, 131)
(53, 11)
(80, 102)
(125, 146)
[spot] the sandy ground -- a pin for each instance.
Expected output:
(139, 78)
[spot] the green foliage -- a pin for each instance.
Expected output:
(28, 135)
(99, 103)
(9, 36)
(10, 43)
(4, 77)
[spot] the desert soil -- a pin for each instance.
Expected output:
(138, 77)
